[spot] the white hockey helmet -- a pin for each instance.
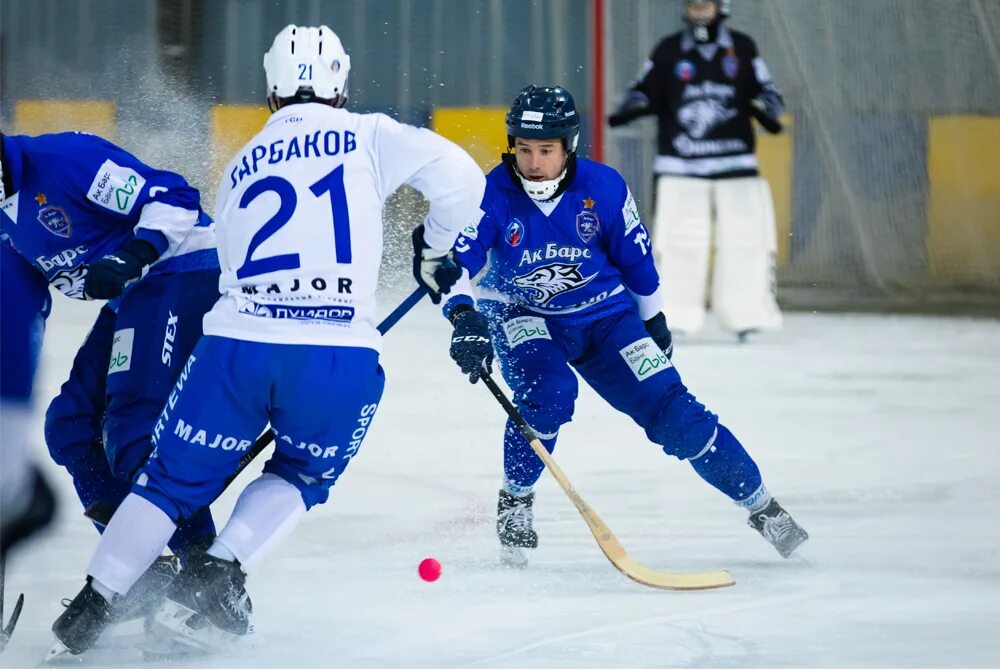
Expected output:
(307, 62)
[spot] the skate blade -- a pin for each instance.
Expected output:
(184, 625)
(796, 542)
(513, 557)
(58, 652)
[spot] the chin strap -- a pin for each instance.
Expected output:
(705, 33)
(541, 191)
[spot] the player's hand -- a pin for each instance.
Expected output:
(107, 277)
(633, 106)
(471, 346)
(766, 108)
(437, 270)
(657, 329)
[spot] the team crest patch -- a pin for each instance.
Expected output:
(684, 70)
(515, 233)
(587, 222)
(731, 65)
(55, 220)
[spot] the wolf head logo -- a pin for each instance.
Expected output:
(70, 282)
(548, 281)
(700, 116)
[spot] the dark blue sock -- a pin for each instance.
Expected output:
(727, 466)
(521, 465)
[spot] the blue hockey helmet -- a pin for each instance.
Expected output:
(544, 113)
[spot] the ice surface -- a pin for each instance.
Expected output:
(879, 434)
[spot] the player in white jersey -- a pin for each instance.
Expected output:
(291, 342)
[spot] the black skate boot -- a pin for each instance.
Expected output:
(514, 519)
(147, 594)
(207, 605)
(778, 528)
(79, 627)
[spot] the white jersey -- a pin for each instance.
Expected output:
(299, 221)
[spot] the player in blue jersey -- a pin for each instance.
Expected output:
(97, 223)
(572, 285)
(26, 501)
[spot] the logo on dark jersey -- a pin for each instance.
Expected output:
(701, 116)
(553, 280)
(731, 65)
(587, 223)
(55, 221)
(515, 233)
(685, 70)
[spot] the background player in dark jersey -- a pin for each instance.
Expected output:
(571, 282)
(705, 84)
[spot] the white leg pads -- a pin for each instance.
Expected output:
(266, 512)
(136, 535)
(681, 240)
(743, 288)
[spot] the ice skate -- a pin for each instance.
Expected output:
(147, 594)
(779, 528)
(514, 528)
(207, 605)
(77, 629)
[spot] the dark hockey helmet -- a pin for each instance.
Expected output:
(544, 113)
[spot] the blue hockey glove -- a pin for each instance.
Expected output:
(657, 329)
(434, 269)
(471, 346)
(107, 277)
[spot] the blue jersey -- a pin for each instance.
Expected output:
(79, 197)
(581, 260)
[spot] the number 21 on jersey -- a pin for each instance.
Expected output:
(333, 184)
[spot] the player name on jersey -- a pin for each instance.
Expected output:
(310, 145)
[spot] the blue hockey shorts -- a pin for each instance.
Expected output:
(319, 400)
(615, 356)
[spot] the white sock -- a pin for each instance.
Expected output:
(133, 539)
(106, 591)
(265, 514)
(756, 501)
(220, 550)
(517, 490)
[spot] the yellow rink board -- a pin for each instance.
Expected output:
(232, 127)
(37, 117)
(963, 209)
(774, 157)
(478, 130)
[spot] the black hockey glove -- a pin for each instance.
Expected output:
(107, 277)
(657, 329)
(471, 346)
(635, 105)
(766, 108)
(435, 270)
